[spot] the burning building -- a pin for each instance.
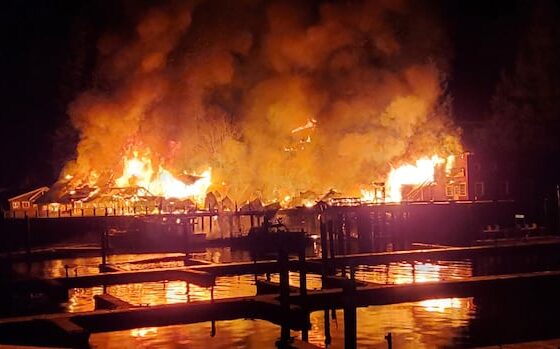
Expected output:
(282, 102)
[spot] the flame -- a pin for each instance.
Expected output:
(421, 173)
(311, 123)
(139, 171)
(367, 195)
(308, 203)
(449, 164)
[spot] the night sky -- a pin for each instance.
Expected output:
(49, 50)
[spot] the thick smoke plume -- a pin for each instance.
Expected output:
(277, 97)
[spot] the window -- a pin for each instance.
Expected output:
(479, 189)
(15, 205)
(457, 190)
(463, 189)
(449, 190)
(25, 204)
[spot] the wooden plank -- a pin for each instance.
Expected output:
(390, 294)
(543, 344)
(449, 253)
(333, 281)
(107, 301)
(196, 277)
(268, 308)
(271, 287)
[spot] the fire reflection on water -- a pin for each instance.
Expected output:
(144, 331)
(424, 324)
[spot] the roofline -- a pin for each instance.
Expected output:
(32, 194)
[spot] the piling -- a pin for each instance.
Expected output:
(327, 323)
(284, 296)
(104, 247)
(350, 323)
(27, 235)
(303, 289)
(389, 339)
(330, 231)
(324, 251)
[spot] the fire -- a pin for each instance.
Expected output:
(421, 173)
(139, 171)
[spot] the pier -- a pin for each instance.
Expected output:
(279, 303)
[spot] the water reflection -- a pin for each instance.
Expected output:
(86, 265)
(157, 293)
(236, 334)
(425, 324)
(144, 331)
(407, 272)
(441, 305)
(413, 325)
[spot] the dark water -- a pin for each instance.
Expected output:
(434, 323)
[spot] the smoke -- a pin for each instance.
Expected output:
(277, 97)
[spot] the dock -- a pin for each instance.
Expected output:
(74, 329)
(279, 303)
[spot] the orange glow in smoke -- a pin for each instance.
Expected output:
(139, 171)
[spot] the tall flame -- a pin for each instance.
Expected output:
(139, 171)
(421, 173)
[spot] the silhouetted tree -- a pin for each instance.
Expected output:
(524, 125)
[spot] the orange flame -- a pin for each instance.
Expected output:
(422, 172)
(139, 171)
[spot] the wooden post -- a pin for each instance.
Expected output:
(327, 323)
(341, 236)
(104, 245)
(186, 236)
(558, 207)
(303, 290)
(324, 252)
(27, 235)
(350, 323)
(284, 296)
(330, 229)
(389, 339)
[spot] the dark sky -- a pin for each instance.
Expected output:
(48, 55)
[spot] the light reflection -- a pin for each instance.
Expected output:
(441, 305)
(144, 332)
(175, 292)
(426, 272)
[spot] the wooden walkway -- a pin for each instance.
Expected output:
(74, 329)
(204, 274)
